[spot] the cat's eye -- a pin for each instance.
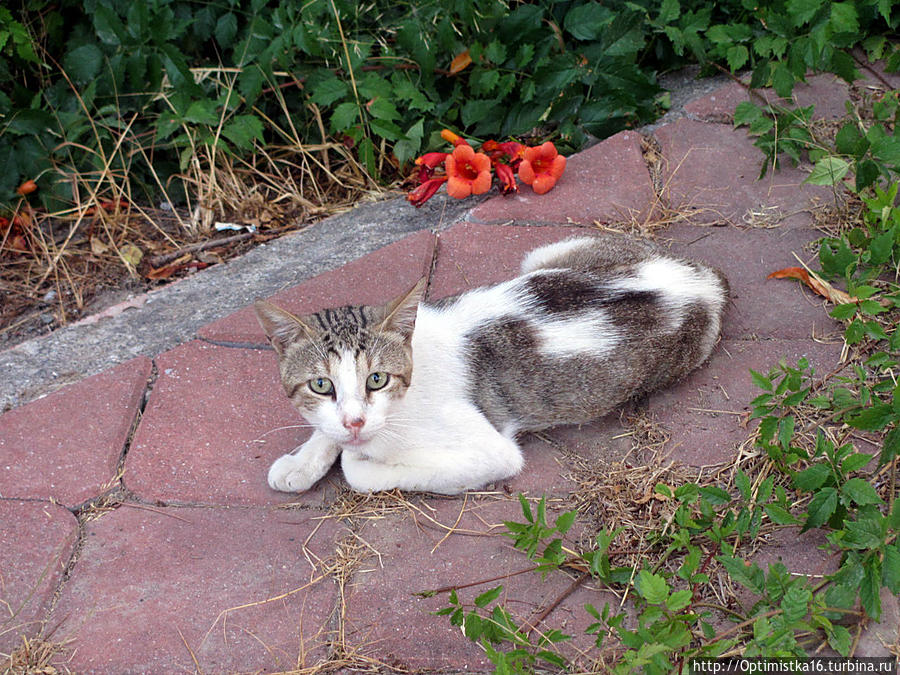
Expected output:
(377, 381)
(322, 386)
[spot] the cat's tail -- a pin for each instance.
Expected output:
(598, 255)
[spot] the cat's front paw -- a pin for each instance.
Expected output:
(290, 474)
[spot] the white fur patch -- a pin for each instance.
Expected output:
(545, 256)
(593, 336)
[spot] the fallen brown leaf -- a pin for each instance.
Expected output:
(460, 62)
(816, 283)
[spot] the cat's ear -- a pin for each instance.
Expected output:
(280, 326)
(400, 313)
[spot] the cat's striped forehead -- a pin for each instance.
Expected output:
(342, 329)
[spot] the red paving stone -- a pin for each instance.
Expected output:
(759, 308)
(239, 590)
(712, 169)
(608, 183)
(67, 445)
(216, 419)
(413, 556)
(826, 92)
(372, 279)
(471, 255)
(36, 544)
(152, 585)
(705, 413)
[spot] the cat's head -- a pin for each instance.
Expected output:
(345, 368)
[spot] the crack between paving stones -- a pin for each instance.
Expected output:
(652, 154)
(236, 344)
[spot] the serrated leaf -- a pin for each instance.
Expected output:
(795, 603)
(737, 56)
(801, 11)
(761, 381)
(891, 568)
(488, 597)
(243, 130)
(679, 600)
(779, 515)
(344, 116)
(83, 63)
(860, 491)
(874, 418)
(587, 21)
(812, 478)
(226, 30)
(828, 171)
(855, 462)
(821, 508)
(839, 639)
(652, 587)
(325, 91)
(870, 587)
(565, 521)
(748, 575)
(862, 534)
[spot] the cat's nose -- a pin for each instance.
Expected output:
(354, 424)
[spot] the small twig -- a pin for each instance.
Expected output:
(553, 605)
(456, 587)
(166, 258)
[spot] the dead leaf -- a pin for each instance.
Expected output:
(816, 283)
(131, 255)
(98, 246)
(460, 62)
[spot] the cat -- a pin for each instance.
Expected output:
(430, 397)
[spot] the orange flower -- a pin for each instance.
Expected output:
(542, 167)
(425, 191)
(507, 178)
(469, 172)
(451, 137)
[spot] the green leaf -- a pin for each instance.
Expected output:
(243, 130)
(812, 478)
(828, 171)
(783, 80)
(652, 587)
(488, 597)
(565, 521)
(854, 462)
(780, 515)
(108, 26)
(870, 587)
(843, 312)
(844, 18)
(679, 600)
(889, 450)
(344, 116)
(743, 484)
(839, 639)
(715, 495)
(587, 21)
(475, 110)
(801, 11)
(750, 576)
(83, 63)
(860, 491)
(737, 56)
(891, 568)
(202, 111)
(795, 603)
(761, 381)
(863, 534)
(821, 508)
(326, 90)
(495, 52)
(874, 418)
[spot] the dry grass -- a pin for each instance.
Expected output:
(33, 657)
(54, 265)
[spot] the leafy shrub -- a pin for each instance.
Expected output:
(98, 91)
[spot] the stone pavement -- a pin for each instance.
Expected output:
(136, 525)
